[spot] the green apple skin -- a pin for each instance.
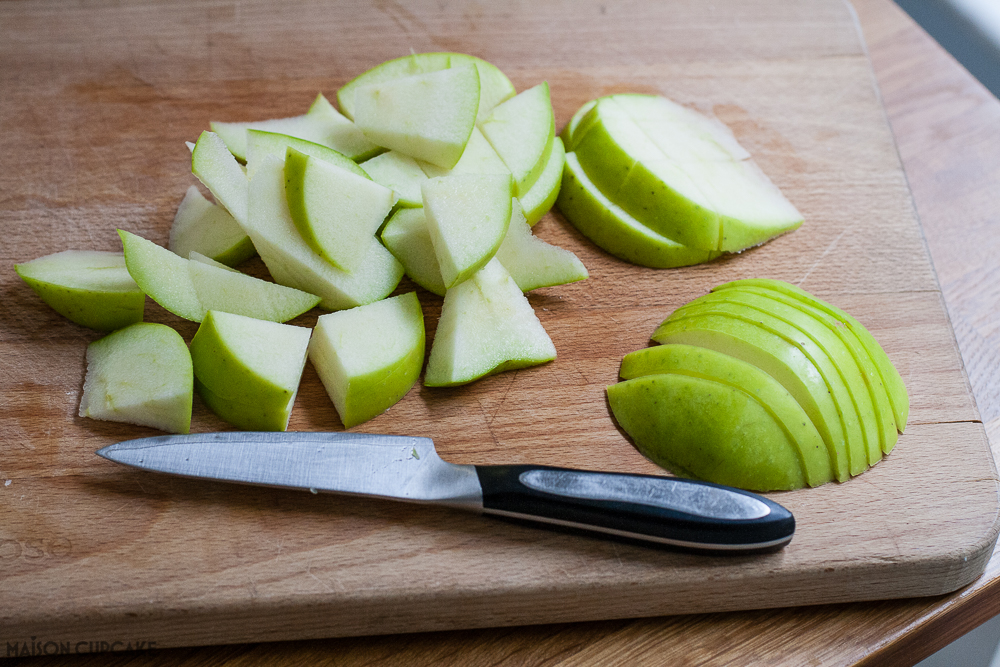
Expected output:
(426, 116)
(521, 131)
(532, 262)
(294, 264)
(208, 229)
(406, 236)
(614, 230)
(336, 212)
(494, 87)
(743, 339)
(247, 370)
(486, 326)
(260, 144)
(848, 393)
(369, 357)
(92, 288)
(467, 216)
(400, 173)
(708, 430)
(891, 379)
(865, 383)
(218, 170)
(162, 275)
(142, 375)
(567, 132)
(537, 201)
(814, 457)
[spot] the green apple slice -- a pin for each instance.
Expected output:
(827, 353)
(162, 275)
(90, 287)
(337, 212)
(467, 216)
(890, 377)
(532, 262)
(426, 116)
(774, 354)
(294, 264)
(477, 158)
(260, 144)
(521, 131)
(141, 374)
(209, 229)
(614, 230)
(369, 357)
(710, 430)
(574, 122)
(196, 256)
(401, 173)
(487, 326)
(234, 292)
(814, 457)
(219, 171)
(494, 87)
(247, 370)
(885, 421)
(537, 201)
(322, 124)
(408, 239)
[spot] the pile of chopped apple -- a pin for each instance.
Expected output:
(433, 167)
(659, 185)
(762, 386)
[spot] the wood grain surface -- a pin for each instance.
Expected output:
(97, 127)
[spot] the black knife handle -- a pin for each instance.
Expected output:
(672, 511)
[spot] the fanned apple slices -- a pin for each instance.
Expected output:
(761, 385)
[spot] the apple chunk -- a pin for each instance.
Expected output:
(532, 262)
(141, 374)
(521, 131)
(487, 326)
(369, 357)
(247, 370)
(209, 229)
(92, 288)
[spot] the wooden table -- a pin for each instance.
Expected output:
(942, 121)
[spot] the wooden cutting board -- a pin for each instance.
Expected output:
(98, 101)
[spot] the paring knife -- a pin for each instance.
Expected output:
(663, 510)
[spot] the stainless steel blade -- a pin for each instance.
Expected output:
(398, 467)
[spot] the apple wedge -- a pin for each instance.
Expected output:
(400, 173)
(293, 263)
(407, 237)
(142, 375)
(336, 212)
(532, 262)
(521, 131)
(467, 216)
(209, 229)
(260, 144)
(369, 357)
(218, 170)
(479, 157)
(487, 326)
(247, 370)
(92, 288)
(162, 275)
(426, 116)
(537, 201)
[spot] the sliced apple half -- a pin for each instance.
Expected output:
(521, 131)
(260, 144)
(336, 212)
(487, 326)
(407, 237)
(532, 262)
(209, 229)
(90, 287)
(293, 263)
(401, 173)
(426, 116)
(369, 357)
(141, 374)
(537, 201)
(813, 455)
(247, 370)
(467, 216)
(494, 87)
(613, 229)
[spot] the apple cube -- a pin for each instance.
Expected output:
(92, 288)
(369, 357)
(247, 370)
(141, 374)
